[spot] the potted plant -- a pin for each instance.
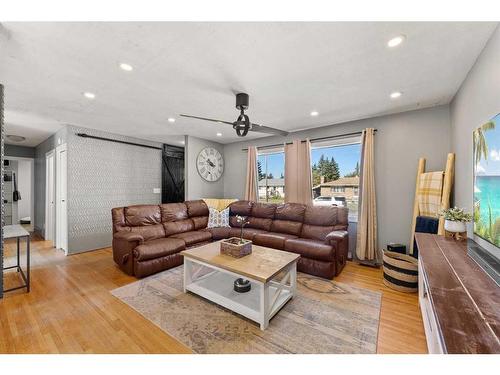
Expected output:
(455, 219)
(234, 246)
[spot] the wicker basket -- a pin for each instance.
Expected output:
(233, 247)
(400, 272)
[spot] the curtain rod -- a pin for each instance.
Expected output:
(84, 135)
(311, 140)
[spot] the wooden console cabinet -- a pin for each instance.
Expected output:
(460, 303)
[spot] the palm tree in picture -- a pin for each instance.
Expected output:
(480, 145)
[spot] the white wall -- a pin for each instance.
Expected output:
(196, 187)
(400, 141)
(477, 101)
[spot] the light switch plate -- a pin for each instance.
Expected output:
(157, 191)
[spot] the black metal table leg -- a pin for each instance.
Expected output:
(18, 254)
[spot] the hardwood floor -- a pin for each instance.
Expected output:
(70, 309)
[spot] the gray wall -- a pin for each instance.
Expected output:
(477, 101)
(39, 196)
(19, 151)
(400, 141)
(197, 187)
(103, 175)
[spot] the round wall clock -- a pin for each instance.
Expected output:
(210, 164)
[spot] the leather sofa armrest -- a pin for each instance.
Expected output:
(336, 236)
(339, 240)
(123, 245)
(129, 237)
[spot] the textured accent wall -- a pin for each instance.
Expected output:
(103, 175)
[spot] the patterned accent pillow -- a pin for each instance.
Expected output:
(217, 219)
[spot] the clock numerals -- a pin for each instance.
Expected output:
(210, 164)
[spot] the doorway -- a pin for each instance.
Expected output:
(56, 217)
(172, 174)
(61, 198)
(50, 196)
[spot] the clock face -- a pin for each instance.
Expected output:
(210, 164)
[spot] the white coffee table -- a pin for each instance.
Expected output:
(272, 273)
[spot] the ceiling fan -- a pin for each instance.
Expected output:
(242, 125)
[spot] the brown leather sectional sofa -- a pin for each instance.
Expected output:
(148, 238)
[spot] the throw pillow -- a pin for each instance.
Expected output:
(217, 219)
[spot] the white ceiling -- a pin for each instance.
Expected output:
(343, 70)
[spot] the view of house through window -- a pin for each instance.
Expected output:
(271, 171)
(335, 170)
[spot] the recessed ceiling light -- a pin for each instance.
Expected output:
(126, 67)
(396, 94)
(219, 134)
(15, 138)
(89, 95)
(396, 41)
(171, 119)
(314, 113)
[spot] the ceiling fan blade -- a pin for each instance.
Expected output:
(267, 129)
(208, 119)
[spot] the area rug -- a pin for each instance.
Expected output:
(324, 317)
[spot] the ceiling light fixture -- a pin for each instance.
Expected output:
(314, 113)
(396, 41)
(126, 67)
(15, 138)
(396, 94)
(89, 95)
(219, 134)
(171, 119)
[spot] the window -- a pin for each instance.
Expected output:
(337, 160)
(271, 176)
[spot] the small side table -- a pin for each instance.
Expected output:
(17, 231)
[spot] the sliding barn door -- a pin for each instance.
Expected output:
(172, 174)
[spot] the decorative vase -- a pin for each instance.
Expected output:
(455, 226)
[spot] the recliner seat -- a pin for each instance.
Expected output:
(149, 238)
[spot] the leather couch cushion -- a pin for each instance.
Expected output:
(311, 249)
(219, 233)
(142, 215)
(272, 239)
(290, 211)
(343, 216)
(173, 212)
(263, 210)
(158, 248)
(325, 216)
(200, 222)
(286, 226)
(242, 208)
(259, 223)
(315, 232)
(248, 233)
(193, 237)
(174, 227)
(149, 232)
(197, 208)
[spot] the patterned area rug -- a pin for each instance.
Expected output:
(324, 317)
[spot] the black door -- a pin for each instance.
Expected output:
(172, 174)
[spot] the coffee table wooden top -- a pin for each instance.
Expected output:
(262, 265)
